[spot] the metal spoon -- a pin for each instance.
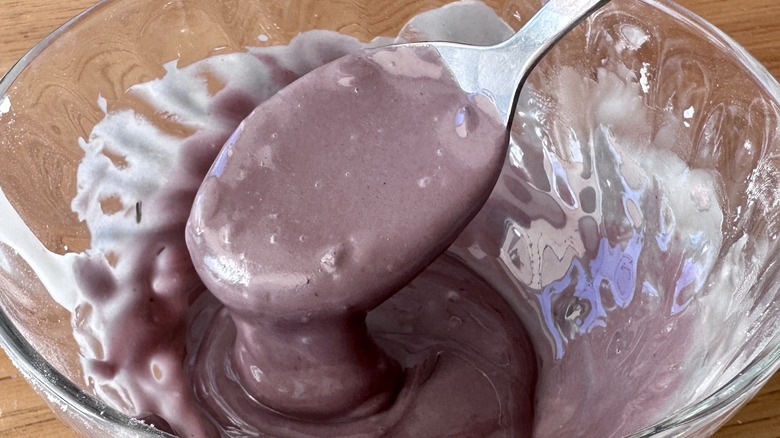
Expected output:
(500, 71)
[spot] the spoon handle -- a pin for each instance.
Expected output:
(555, 19)
(499, 71)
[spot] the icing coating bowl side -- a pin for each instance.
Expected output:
(692, 83)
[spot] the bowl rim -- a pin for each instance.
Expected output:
(61, 391)
(16, 69)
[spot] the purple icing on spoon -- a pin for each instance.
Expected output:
(297, 229)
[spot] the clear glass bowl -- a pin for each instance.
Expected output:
(687, 74)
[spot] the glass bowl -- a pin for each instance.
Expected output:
(645, 124)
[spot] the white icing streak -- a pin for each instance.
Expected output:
(54, 271)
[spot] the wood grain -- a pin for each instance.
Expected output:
(753, 23)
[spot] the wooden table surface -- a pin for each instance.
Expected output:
(754, 23)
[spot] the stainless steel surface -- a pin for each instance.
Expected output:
(499, 71)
